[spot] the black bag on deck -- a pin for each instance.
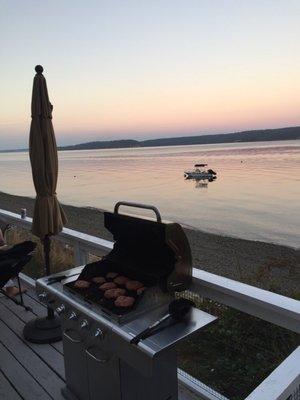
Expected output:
(17, 251)
(10, 268)
(13, 259)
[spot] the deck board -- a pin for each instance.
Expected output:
(20, 378)
(27, 370)
(51, 356)
(31, 362)
(7, 391)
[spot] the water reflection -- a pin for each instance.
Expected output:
(201, 183)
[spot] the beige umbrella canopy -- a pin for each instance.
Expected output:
(49, 217)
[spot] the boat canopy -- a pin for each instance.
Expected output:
(200, 165)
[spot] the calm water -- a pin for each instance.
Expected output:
(256, 194)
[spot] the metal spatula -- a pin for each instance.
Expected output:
(56, 279)
(177, 310)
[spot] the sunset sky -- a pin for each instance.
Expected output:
(150, 68)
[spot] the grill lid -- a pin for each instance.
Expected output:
(140, 245)
(154, 250)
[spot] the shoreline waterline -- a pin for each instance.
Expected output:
(30, 200)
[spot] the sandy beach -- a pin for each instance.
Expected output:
(265, 265)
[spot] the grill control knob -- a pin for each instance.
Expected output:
(73, 316)
(84, 324)
(60, 309)
(43, 296)
(99, 334)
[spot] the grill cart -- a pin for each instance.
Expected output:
(102, 359)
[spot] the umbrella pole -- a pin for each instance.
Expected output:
(47, 248)
(46, 329)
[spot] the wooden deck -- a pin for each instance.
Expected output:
(31, 371)
(27, 371)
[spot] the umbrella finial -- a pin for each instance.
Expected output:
(39, 69)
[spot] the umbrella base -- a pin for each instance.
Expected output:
(43, 330)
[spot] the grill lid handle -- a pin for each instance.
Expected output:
(137, 205)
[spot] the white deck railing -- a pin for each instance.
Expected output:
(284, 382)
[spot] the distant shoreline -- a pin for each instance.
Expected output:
(261, 135)
(240, 259)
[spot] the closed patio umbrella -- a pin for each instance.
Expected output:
(49, 217)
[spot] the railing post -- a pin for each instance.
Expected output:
(80, 255)
(283, 383)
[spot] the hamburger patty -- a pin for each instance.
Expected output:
(121, 280)
(133, 285)
(80, 284)
(108, 285)
(114, 293)
(99, 279)
(124, 301)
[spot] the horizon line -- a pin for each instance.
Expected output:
(61, 148)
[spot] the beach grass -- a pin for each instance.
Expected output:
(237, 353)
(61, 255)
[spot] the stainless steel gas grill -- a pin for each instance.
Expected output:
(149, 263)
